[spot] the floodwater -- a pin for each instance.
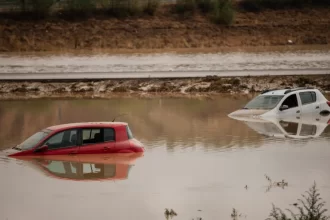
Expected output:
(197, 162)
(290, 59)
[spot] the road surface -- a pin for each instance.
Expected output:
(158, 74)
(164, 65)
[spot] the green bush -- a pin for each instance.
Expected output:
(185, 7)
(219, 11)
(151, 7)
(102, 4)
(124, 8)
(223, 12)
(258, 5)
(81, 5)
(205, 6)
(40, 7)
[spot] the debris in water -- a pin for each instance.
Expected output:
(235, 215)
(281, 184)
(170, 213)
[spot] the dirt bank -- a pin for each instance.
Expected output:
(166, 30)
(145, 87)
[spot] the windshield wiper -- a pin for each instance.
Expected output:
(16, 148)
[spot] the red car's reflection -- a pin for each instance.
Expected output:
(88, 167)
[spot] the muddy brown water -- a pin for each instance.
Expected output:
(196, 159)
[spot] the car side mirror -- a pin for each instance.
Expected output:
(284, 107)
(42, 148)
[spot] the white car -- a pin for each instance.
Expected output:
(308, 126)
(282, 103)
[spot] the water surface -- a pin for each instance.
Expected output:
(196, 159)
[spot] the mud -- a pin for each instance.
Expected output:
(166, 87)
(167, 31)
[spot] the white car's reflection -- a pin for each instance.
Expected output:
(305, 126)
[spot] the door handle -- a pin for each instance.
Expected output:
(298, 111)
(317, 107)
(105, 149)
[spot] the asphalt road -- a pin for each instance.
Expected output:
(158, 74)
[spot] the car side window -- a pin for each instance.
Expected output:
(109, 134)
(92, 135)
(291, 101)
(307, 97)
(64, 139)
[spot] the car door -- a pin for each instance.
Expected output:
(309, 104)
(94, 141)
(294, 107)
(63, 142)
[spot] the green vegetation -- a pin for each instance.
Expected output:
(258, 5)
(81, 8)
(310, 208)
(223, 12)
(218, 11)
(41, 6)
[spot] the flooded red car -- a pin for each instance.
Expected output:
(80, 138)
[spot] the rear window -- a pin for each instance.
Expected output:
(307, 97)
(129, 133)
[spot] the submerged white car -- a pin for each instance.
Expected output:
(282, 103)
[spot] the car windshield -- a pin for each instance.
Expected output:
(264, 102)
(33, 140)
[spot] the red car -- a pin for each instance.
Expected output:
(80, 138)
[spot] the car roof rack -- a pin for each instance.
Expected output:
(297, 89)
(268, 90)
(288, 89)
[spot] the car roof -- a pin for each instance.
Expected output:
(86, 124)
(286, 91)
